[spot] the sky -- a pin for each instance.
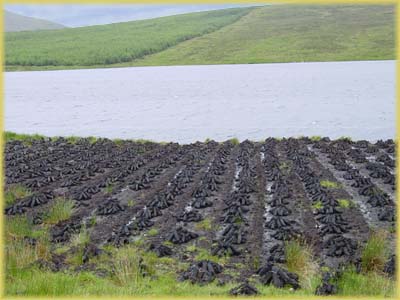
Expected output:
(84, 15)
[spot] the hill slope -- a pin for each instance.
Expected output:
(273, 33)
(113, 43)
(289, 33)
(16, 22)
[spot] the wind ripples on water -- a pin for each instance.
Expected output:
(189, 103)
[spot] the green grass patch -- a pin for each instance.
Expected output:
(204, 225)
(255, 262)
(61, 249)
(205, 254)
(352, 283)
(329, 184)
(315, 138)
(271, 291)
(345, 138)
(34, 282)
(72, 139)
(19, 253)
(13, 136)
(15, 192)
(191, 248)
(238, 220)
(152, 232)
(28, 139)
(345, 203)
(92, 139)
(375, 252)
(81, 239)
(109, 188)
(325, 269)
(118, 142)
(136, 271)
(284, 166)
(168, 243)
(145, 141)
(60, 210)
(234, 141)
(317, 205)
(78, 243)
(131, 203)
(128, 267)
(18, 226)
(133, 270)
(92, 221)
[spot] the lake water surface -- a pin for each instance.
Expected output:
(189, 103)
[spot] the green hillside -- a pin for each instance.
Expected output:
(113, 43)
(288, 33)
(272, 33)
(16, 22)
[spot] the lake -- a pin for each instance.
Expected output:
(189, 103)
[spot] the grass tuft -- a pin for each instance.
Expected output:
(329, 184)
(300, 260)
(345, 139)
(18, 226)
(81, 239)
(92, 139)
(345, 203)
(315, 138)
(130, 267)
(92, 221)
(317, 205)
(78, 243)
(204, 254)
(204, 225)
(375, 254)
(191, 248)
(235, 141)
(72, 139)
(109, 188)
(284, 166)
(60, 210)
(152, 232)
(15, 192)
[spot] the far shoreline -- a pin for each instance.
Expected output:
(9, 136)
(12, 69)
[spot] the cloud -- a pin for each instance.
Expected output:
(84, 15)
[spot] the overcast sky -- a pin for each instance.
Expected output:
(83, 15)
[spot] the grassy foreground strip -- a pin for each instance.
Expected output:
(113, 43)
(267, 34)
(118, 271)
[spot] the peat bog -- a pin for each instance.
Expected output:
(221, 217)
